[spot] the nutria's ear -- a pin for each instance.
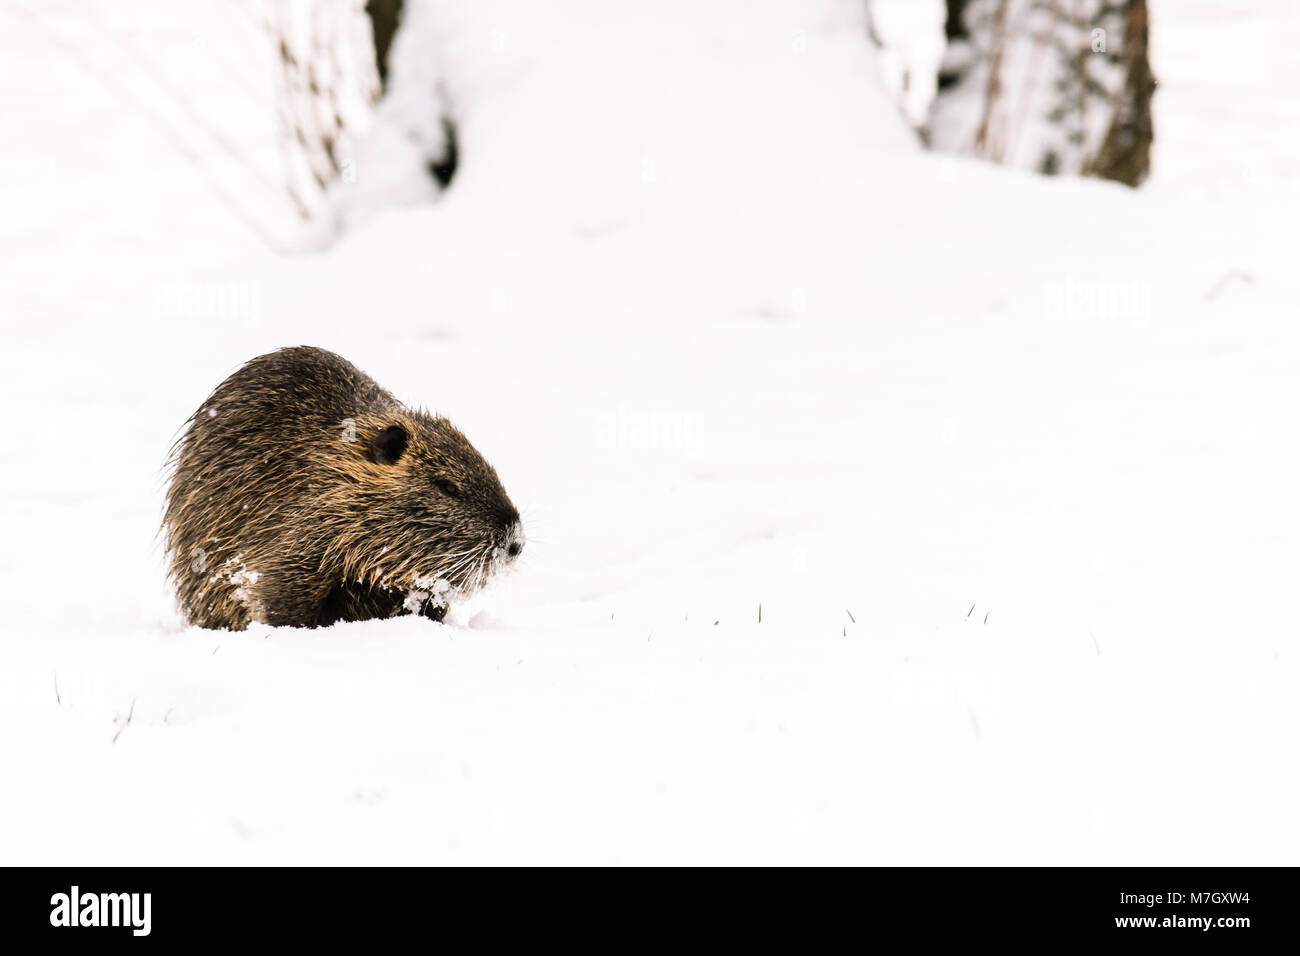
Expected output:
(388, 445)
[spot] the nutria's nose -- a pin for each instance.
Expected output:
(514, 542)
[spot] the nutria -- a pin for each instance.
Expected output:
(302, 493)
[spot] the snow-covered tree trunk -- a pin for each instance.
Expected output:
(1125, 151)
(327, 84)
(1058, 86)
(363, 109)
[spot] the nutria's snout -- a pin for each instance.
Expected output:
(513, 545)
(512, 531)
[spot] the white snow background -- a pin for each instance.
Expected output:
(1009, 463)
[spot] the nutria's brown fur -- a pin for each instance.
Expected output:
(302, 493)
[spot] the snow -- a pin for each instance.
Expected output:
(1008, 463)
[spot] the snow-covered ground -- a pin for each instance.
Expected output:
(1008, 463)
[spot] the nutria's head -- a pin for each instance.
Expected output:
(418, 508)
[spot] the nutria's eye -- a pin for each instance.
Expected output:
(447, 488)
(389, 445)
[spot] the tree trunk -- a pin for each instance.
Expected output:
(385, 17)
(1058, 86)
(1125, 152)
